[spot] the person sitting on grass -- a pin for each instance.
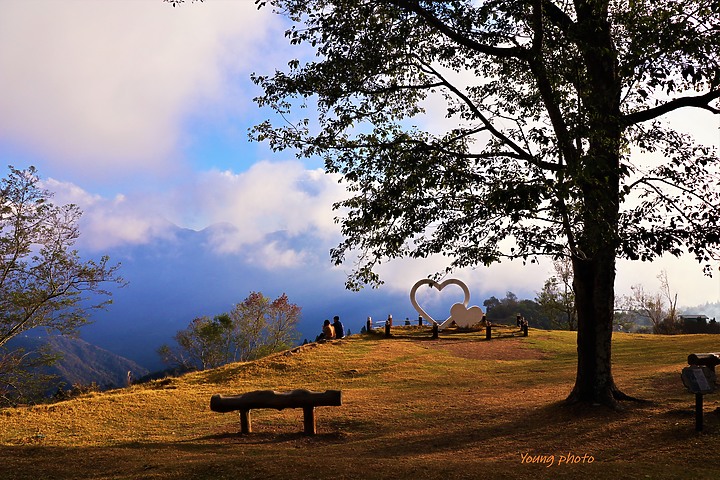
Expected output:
(328, 331)
(339, 328)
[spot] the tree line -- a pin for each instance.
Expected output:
(641, 311)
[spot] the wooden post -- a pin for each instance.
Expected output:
(488, 332)
(245, 424)
(369, 324)
(698, 412)
(420, 321)
(387, 328)
(525, 329)
(435, 331)
(309, 427)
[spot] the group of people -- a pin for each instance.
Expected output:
(331, 331)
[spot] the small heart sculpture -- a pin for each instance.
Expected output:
(439, 286)
(465, 317)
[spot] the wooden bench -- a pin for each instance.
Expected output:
(709, 360)
(299, 398)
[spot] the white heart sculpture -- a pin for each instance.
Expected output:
(466, 317)
(439, 286)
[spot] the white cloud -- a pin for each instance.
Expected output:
(111, 222)
(267, 198)
(104, 87)
(273, 255)
(243, 209)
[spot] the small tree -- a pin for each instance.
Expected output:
(282, 320)
(205, 343)
(659, 307)
(557, 297)
(43, 281)
(21, 374)
(263, 326)
(249, 321)
(254, 328)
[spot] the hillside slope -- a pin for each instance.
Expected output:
(82, 362)
(457, 407)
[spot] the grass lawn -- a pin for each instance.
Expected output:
(457, 407)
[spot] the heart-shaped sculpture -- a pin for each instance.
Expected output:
(439, 286)
(466, 317)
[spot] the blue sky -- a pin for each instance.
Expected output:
(138, 112)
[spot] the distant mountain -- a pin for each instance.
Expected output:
(83, 363)
(184, 275)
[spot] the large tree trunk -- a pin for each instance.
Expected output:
(594, 299)
(598, 176)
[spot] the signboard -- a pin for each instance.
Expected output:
(698, 379)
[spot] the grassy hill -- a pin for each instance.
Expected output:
(457, 407)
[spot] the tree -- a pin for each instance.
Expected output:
(43, 281)
(204, 344)
(282, 320)
(263, 326)
(254, 328)
(659, 307)
(506, 310)
(549, 104)
(557, 298)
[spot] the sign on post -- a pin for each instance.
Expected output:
(698, 379)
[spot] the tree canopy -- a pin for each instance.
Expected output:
(552, 109)
(44, 283)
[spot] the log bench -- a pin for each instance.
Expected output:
(299, 398)
(710, 360)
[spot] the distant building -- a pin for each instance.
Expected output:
(699, 324)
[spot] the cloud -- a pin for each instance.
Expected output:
(112, 222)
(269, 197)
(104, 87)
(274, 214)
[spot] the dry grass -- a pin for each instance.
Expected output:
(458, 407)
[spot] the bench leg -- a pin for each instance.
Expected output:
(309, 420)
(245, 425)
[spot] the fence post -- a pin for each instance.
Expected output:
(435, 331)
(488, 332)
(368, 325)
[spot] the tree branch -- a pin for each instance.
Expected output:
(519, 151)
(457, 37)
(699, 101)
